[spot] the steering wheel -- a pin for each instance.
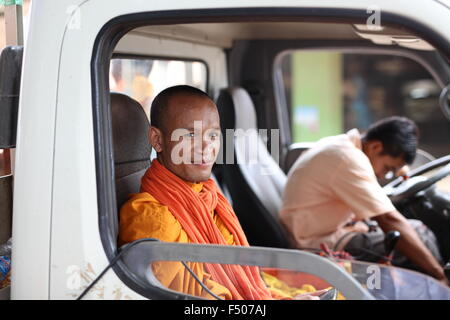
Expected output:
(402, 189)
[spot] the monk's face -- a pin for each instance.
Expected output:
(188, 141)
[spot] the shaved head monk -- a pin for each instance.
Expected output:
(185, 132)
(180, 203)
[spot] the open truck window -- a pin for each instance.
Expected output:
(142, 78)
(124, 76)
(138, 78)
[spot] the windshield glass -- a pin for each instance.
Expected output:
(391, 283)
(383, 282)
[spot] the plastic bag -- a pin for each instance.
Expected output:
(5, 263)
(6, 248)
(5, 267)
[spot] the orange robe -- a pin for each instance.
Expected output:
(196, 213)
(143, 216)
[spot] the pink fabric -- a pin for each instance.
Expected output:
(330, 185)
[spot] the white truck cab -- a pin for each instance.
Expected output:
(64, 203)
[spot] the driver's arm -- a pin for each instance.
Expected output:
(410, 244)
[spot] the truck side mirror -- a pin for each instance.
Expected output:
(10, 73)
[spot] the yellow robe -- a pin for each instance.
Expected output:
(142, 216)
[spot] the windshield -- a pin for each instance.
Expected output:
(383, 282)
(391, 283)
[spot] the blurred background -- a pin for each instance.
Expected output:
(330, 92)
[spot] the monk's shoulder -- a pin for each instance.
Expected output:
(142, 204)
(145, 217)
(140, 200)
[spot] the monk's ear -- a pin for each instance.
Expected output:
(155, 137)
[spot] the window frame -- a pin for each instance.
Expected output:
(102, 53)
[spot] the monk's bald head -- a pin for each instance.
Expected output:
(163, 108)
(185, 132)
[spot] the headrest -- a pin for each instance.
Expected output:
(236, 109)
(260, 170)
(130, 135)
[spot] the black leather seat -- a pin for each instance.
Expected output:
(254, 180)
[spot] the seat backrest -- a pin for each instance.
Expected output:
(131, 147)
(254, 179)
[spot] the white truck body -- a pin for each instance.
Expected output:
(56, 235)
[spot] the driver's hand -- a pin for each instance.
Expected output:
(444, 281)
(310, 295)
(403, 172)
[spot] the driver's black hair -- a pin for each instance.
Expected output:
(161, 101)
(399, 136)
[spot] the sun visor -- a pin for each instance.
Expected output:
(390, 36)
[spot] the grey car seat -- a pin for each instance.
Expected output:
(253, 178)
(132, 149)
